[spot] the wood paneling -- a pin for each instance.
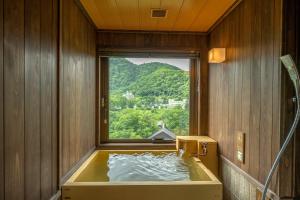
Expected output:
(158, 41)
(77, 86)
(32, 100)
(244, 91)
(182, 15)
(238, 185)
(1, 106)
(291, 166)
(14, 99)
(163, 42)
(29, 166)
(27, 68)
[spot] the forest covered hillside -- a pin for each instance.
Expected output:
(141, 96)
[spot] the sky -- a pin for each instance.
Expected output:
(178, 62)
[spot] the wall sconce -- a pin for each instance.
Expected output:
(217, 55)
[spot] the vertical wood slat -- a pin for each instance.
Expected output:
(63, 87)
(276, 90)
(1, 106)
(14, 98)
(266, 112)
(297, 138)
(103, 68)
(47, 72)
(203, 96)
(55, 101)
(193, 123)
(254, 133)
(245, 40)
(32, 99)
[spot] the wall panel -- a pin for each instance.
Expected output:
(1, 106)
(77, 86)
(28, 66)
(244, 90)
(32, 99)
(290, 45)
(14, 98)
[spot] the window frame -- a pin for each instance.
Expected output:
(102, 94)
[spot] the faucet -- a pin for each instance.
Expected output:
(204, 149)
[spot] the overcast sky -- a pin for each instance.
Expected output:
(180, 63)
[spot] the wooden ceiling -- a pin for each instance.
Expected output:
(182, 15)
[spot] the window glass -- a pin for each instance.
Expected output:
(148, 98)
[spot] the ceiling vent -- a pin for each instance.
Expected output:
(158, 13)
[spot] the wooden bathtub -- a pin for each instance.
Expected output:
(77, 188)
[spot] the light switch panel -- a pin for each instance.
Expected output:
(240, 146)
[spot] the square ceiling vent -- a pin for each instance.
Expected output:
(158, 13)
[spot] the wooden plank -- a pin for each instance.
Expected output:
(245, 41)
(32, 100)
(92, 85)
(14, 98)
(129, 14)
(297, 140)
(255, 93)
(188, 14)
(266, 89)
(76, 77)
(193, 98)
(65, 160)
(238, 84)
(1, 106)
(55, 99)
(46, 99)
(159, 41)
(203, 96)
(103, 95)
(276, 89)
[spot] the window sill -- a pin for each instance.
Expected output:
(136, 146)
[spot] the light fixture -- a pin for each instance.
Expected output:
(217, 55)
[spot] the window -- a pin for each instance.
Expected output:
(146, 98)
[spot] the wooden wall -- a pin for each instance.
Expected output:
(290, 45)
(150, 41)
(244, 92)
(28, 105)
(2, 189)
(77, 86)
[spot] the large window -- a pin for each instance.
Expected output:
(146, 98)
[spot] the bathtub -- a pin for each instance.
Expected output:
(90, 182)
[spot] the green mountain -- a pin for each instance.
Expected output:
(152, 85)
(150, 79)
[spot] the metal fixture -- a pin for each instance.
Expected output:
(204, 149)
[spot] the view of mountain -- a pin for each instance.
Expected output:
(143, 95)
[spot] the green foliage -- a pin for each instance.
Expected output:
(152, 85)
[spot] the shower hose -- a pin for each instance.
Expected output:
(294, 75)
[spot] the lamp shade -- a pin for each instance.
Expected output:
(217, 55)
